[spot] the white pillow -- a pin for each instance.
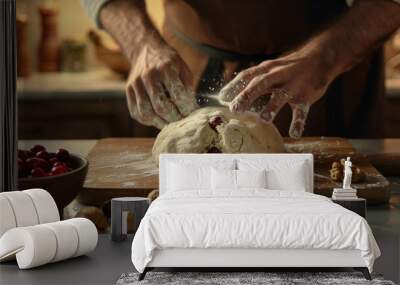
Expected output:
(223, 179)
(251, 178)
(183, 178)
(184, 175)
(282, 174)
(226, 179)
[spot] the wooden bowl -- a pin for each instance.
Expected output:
(63, 187)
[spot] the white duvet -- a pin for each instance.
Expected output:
(250, 219)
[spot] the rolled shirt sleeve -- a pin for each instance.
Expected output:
(93, 8)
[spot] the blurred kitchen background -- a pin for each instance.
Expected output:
(71, 77)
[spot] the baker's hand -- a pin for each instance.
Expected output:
(299, 79)
(158, 88)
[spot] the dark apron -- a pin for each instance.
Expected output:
(353, 104)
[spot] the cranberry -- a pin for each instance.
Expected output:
(43, 155)
(25, 154)
(38, 172)
(36, 148)
(214, 149)
(36, 162)
(22, 154)
(29, 154)
(214, 122)
(58, 169)
(59, 163)
(52, 154)
(53, 160)
(21, 163)
(31, 162)
(22, 168)
(62, 155)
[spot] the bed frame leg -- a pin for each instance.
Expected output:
(364, 271)
(143, 274)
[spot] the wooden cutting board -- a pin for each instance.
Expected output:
(124, 167)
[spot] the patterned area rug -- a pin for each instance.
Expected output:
(243, 278)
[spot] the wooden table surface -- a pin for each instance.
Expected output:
(124, 167)
(384, 154)
(83, 146)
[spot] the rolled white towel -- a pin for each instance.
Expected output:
(26, 208)
(7, 218)
(40, 244)
(33, 246)
(23, 208)
(87, 235)
(45, 205)
(67, 240)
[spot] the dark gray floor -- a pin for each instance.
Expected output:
(385, 224)
(103, 266)
(389, 243)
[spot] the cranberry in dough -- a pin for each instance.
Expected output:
(214, 129)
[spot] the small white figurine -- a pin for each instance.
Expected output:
(347, 174)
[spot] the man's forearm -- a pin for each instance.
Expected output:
(364, 27)
(129, 24)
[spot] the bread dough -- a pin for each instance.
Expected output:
(230, 133)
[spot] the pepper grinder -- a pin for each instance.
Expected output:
(24, 67)
(49, 45)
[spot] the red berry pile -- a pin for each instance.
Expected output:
(38, 162)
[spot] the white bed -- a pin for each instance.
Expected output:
(274, 226)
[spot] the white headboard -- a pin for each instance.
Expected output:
(212, 158)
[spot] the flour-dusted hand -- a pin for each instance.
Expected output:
(298, 79)
(301, 77)
(158, 88)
